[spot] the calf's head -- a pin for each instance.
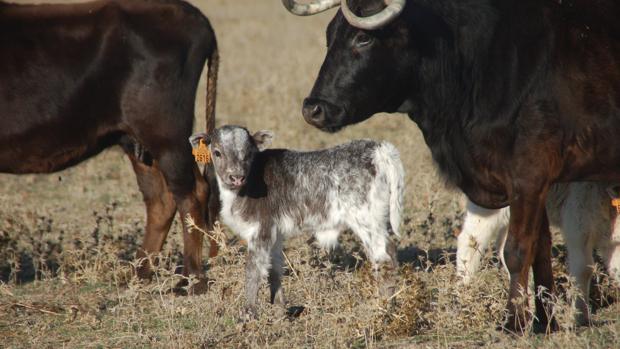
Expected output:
(233, 150)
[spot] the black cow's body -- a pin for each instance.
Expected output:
(511, 96)
(76, 79)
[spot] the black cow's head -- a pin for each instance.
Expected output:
(369, 63)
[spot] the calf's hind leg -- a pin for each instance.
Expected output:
(275, 273)
(381, 250)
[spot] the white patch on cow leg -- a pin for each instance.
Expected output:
(610, 251)
(275, 273)
(579, 226)
(481, 226)
(580, 261)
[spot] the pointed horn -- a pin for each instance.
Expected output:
(307, 9)
(378, 20)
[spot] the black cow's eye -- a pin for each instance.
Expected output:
(217, 153)
(362, 39)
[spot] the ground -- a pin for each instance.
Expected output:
(67, 240)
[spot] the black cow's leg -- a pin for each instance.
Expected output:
(160, 210)
(543, 278)
(526, 216)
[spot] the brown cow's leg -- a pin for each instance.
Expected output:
(160, 210)
(526, 213)
(190, 194)
(543, 278)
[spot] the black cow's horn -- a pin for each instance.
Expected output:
(378, 20)
(308, 9)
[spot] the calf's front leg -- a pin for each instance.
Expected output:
(257, 265)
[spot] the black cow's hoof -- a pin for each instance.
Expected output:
(545, 326)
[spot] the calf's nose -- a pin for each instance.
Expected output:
(237, 180)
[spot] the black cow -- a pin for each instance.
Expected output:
(76, 79)
(511, 96)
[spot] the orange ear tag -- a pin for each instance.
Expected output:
(201, 153)
(616, 203)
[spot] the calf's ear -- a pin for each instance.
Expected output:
(195, 139)
(263, 139)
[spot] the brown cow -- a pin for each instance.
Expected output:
(77, 79)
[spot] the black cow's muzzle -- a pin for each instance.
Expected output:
(323, 115)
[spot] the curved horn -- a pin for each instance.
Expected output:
(378, 20)
(308, 9)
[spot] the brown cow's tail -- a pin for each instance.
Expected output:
(212, 67)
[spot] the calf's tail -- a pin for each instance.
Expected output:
(394, 173)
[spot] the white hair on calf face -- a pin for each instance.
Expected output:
(582, 213)
(357, 186)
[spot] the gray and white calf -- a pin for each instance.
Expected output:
(268, 195)
(580, 210)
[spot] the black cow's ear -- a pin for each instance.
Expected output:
(195, 139)
(263, 139)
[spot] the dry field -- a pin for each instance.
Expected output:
(67, 240)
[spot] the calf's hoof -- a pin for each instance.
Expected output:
(248, 313)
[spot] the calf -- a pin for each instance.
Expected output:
(268, 195)
(77, 79)
(585, 218)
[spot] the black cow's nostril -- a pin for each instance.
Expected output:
(316, 111)
(313, 111)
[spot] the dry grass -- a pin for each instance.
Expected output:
(67, 240)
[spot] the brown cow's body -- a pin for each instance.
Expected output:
(76, 79)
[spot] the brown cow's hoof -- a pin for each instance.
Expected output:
(144, 272)
(182, 288)
(514, 325)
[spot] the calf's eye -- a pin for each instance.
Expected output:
(217, 153)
